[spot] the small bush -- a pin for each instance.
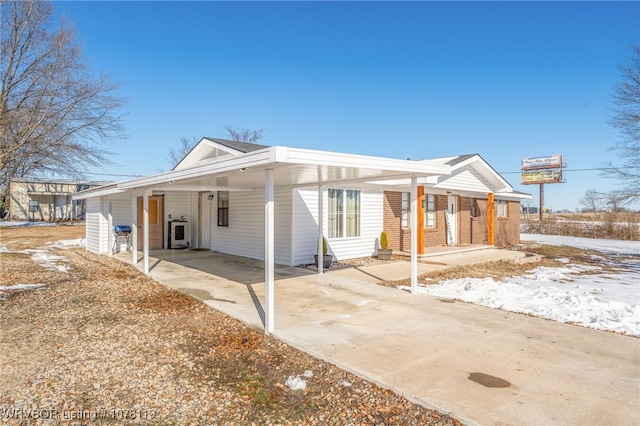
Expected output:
(384, 241)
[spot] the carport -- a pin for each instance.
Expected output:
(266, 170)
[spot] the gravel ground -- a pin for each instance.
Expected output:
(101, 343)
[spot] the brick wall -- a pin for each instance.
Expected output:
(392, 218)
(507, 229)
(437, 237)
(479, 222)
(464, 220)
(471, 230)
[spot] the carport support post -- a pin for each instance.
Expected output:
(134, 230)
(110, 235)
(269, 247)
(145, 230)
(414, 235)
(320, 247)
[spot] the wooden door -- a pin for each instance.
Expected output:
(156, 229)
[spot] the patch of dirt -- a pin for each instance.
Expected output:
(104, 338)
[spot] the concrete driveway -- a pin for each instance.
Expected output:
(481, 365)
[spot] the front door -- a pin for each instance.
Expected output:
(156, 234)
(452, 223)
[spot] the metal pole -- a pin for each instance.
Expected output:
(541, 201)
(414, 235)
(269, 248)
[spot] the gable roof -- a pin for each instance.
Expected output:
(243, 147)
(469, 168)
(211, 149)
(460, 159)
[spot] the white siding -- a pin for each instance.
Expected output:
(245, 234)
(93, 215)
(104, 225)
(306, 228)
(305, 225)
(121, 212)
(466, 180)
(178, 204)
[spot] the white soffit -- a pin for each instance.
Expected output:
(292, 167)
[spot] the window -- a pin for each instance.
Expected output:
(502, 208)
(430, 211)
(406, 209)
(223, 208)
(344, 222)
(473, 209)
(353, 213)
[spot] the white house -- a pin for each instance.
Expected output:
(266, 203)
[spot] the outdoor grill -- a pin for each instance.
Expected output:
(120, 233)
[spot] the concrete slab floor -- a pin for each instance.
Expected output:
(481, 365)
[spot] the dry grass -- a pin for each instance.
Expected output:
(610, 225)
(104, 336)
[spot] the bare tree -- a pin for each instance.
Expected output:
(626, 99)
(591, 201)
(54, 113)
(178, 153)
(615, 201)
(244, 135)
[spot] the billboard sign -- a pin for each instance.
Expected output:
(541, 176)
(546, 162)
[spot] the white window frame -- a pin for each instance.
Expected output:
(342, 214)
(502, 208)
(430, 211)
(406, 210)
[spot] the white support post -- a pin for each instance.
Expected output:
(269, 247)
(320, 229)
(134, 231)
(145, 230)
(110, 236)
(414, 235)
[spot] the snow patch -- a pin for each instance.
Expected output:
(6, 290)
(47, 260)
(365, 302)
(296, 383)
(66, 244)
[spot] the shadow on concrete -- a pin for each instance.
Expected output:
(240, 269)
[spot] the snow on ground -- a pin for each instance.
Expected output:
(605, 301)
(4, 290)
(65, 244)
(296, 383)
(12, 223)
(47, 260)
(603, 245)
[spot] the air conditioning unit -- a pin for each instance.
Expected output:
(178, 232)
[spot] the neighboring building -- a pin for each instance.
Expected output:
(218, 189)
(46, 199)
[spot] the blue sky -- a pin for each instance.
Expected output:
(399, 79)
